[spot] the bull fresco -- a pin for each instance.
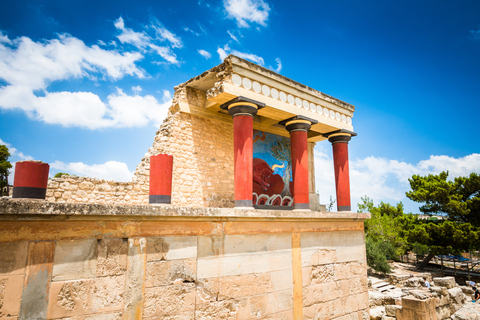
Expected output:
(272, 170)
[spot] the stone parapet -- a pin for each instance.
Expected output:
(91, 261)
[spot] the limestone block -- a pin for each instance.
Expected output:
(207, 290)
(244, 264)
(245, 285)
(13, 257)
(320, 293)
(223, 310)
(349, 270)
(86, 185)
(322, 274)
(112, 257)
(106, 316)
(457, 295)
(75, 259)
(391, 310)
(442, 300)
(169, 300)
(108, 294)
(171, 248)
(282, 280)
(11, 288)
(323, 256)
(448, 282)
(443, 312)
(377, 313)
(162, 273)
(69, 298)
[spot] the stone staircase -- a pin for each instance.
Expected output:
(382, 286)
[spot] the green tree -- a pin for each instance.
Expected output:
(458, 201)
(5, 167)
(60, 174)
(385, 232)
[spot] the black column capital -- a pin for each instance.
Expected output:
(298, 123)
(340, 136)
(242, 106)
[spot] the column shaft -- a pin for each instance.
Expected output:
(342, 176)
(299, 152)
(243, 159)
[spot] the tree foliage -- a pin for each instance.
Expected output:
(378, 253)
(60, 174)
(459, 199)
(5, 167)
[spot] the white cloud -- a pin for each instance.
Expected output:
(139, 39)
(164, 34)
(255, 11)
(15, 153)
(34, 65)
(29, 67)
(205, 54)
(232, 36)
(225, 51)
(110, 170)
(279, 66)
(165, 53)
(136, 111)
(145, 43)
(384, 179)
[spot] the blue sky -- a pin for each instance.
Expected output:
(85, 84)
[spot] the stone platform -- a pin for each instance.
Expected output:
(91, 261)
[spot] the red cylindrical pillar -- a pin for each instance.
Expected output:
(243, 110)
(31, 179)
(299, 150)
(298, 129)
(342, 175)
(243, 159)
(161, 168)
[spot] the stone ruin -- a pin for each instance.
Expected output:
(244, 235)
(410, 299)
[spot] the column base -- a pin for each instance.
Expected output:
(159, 199)
(244, 204)
(301, 206)
(344, 208)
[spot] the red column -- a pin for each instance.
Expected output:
(298, 127)
(243, 110)
(299, 151)
(342, 176)
(31, 179)
(160, 189)
(243, 159)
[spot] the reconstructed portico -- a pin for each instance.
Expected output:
(262, 100)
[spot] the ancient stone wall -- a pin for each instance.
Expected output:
(81, 261)
(202, 151)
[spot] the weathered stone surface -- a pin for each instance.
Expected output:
(108, 294)
(135, 275)
(69, 298)
(107, 316)
(161, 273)
(414, 282)
(13, 257)
(377, 313)
(171, 248)
(323, 256)
(448, 282)
(75, 259)
(470, 311)
(457, 295)
(38, 273)
(169, 300)
(223, 310)
(443, 312)
(112, 257)
(391, 310)
(10, 294)
(245, 285)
